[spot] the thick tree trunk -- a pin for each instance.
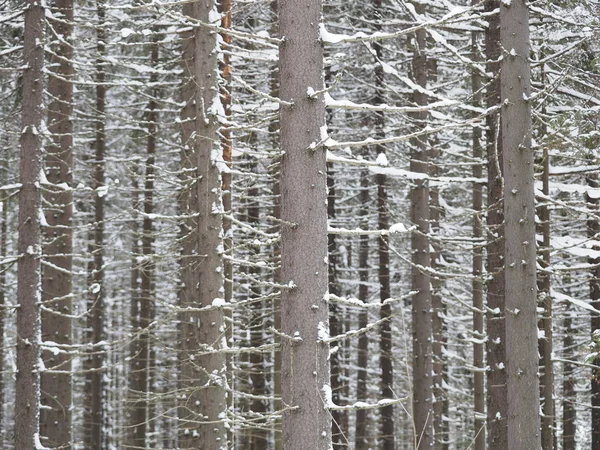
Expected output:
(94, 395)
(203, 398)
(421, 261)
(477, 286)
(304, 313)
(29, 240)
(495, 343)
(523, 419)
(55, 416)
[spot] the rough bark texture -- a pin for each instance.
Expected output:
(304, 313)
(94, 417)
(593, 226)
(496, 343)
(55, 416)
(523, 419)
(362, 439)
(3, 286)
(477, 286)
(203, 398)
(421, 261)
(29, 240)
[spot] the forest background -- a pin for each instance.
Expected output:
(289, 225)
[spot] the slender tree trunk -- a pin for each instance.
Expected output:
(497, 438)
(335, 319)
(141, 365)
(203, 399)
(385, 338)
(523, 419)
(29, 240)
(569, 394)
(421, 259)
(3, 286)
(94, 395)
(304, 314)
(545, 300)
(362, 441)
(593, 226)
(477, 286)
(55, 416)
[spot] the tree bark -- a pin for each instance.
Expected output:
(29, 240)
(94, 395)
(304, 313)
(523, 419)
(569, 395)
(203, 398)
(55, 416)
(3, 291)
(496, 342)
(421, 262)
(477, 285)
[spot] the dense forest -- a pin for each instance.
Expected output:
(300, 224)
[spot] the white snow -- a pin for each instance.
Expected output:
(219, 302)
(382, 159)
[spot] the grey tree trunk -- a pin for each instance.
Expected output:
(362, 439)
(94, 414)
(496, 342)
(202, 378)
(3, 287)
(477, 285)
(593, 226)
(569, 395)
(55, 416)
(304, 313)
(523, 418)
(422, 325)
(29, 240)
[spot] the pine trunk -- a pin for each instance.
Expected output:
(304, 311)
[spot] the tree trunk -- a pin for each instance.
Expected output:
(593, 226)
(203, 398)
(421, 260)
(3, 287)
(362, 441)
(477, 286)
(94, 395)
(29, 240)
(523, 419)
(569, 395)
(304, 313)
(497, 438)
(55, 416)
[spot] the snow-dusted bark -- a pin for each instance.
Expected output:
(304, 313)
(523, 417)
(202, 376)
(55, 416)
(29, 242)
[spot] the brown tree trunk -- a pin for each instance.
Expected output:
(29, 240)
(203, 398)
(94, 395)
(3, 286)
(497, 438)
(141, 365)
(55, 416)
(362, 441)
(304, 314)
(420, 279)
(593, 226)
(569, 395)
(523, 419)
(477, 286)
